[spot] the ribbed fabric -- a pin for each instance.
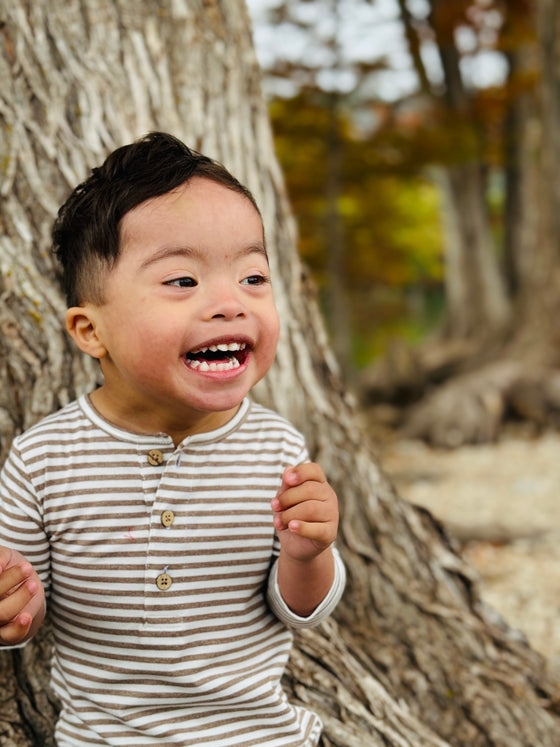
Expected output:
(163, 634)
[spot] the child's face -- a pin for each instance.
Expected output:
(189, 324)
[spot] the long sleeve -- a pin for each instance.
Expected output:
(321, 612)
(21, 521)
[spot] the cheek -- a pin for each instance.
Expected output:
(270, 342)
(141, 340)
(275, 334)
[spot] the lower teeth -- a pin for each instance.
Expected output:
(213, 365)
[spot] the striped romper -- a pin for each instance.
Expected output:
(159, 567)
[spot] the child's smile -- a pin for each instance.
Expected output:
(188, 324)
(219, 356)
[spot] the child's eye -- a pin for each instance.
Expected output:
(255, 280)
(185, 282)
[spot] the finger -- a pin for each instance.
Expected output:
(308, 491)
(5, 556)
(16, 630)
(322, 533)
(13, 577)
(13, 604)
(308, 509)
(9, 558)
(301, 473)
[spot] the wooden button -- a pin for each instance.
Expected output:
(167, 518)
(164, 581)
(155, 457)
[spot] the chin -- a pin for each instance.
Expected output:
(218, 403)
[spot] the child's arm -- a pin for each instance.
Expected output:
(22, 599)
(306, 520)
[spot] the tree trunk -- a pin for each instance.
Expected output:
(477, 302)
(522, 130)
(477, 306)
(335, 240)
(412, 657)
(549, 28)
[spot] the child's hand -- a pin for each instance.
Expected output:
(21, 597)
(305, 512)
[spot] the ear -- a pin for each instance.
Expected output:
(81, 324)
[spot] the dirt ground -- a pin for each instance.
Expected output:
(503, 502)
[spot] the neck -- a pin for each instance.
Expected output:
(148, 420)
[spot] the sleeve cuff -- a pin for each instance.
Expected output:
(321, 612)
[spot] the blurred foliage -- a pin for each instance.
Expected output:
(390, 219)
(390, 216)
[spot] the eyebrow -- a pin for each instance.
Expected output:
(189, 253)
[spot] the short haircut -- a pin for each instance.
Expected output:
(86, 232)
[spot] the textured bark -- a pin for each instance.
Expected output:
(412, 656)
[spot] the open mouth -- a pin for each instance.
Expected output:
(221, 357)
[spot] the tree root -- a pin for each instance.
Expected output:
(440, 395)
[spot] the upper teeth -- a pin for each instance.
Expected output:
(223, 347)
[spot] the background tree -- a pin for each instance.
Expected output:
(413, 655)
(477, 304)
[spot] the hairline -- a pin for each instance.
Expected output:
(92, 290)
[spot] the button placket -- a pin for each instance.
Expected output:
(156, 458)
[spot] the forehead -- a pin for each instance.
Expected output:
(198, 207)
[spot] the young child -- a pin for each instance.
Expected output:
(176, 529)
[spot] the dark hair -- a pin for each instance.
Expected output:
(86, 231)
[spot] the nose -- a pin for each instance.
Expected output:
(226, 303)
(228, 313)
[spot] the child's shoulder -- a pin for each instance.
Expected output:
(50, 426)
(260, 413)
(271, 424)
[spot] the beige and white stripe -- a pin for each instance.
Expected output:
(157, 562)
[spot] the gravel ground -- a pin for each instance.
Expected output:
(502, 502)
